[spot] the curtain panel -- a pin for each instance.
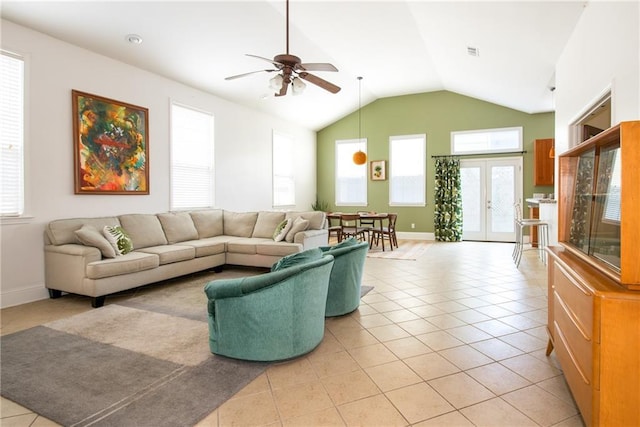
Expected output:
(448, 200)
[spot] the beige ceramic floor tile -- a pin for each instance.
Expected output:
(452, 419)
(496, 349)
(431, 365)
(407, 347)
(498, 379)
(496, 327)
(465, 357)
(401, 316)
(445, 321)
(373, 320)
(388, 332)
(329, 344)
(24, 420)
(468, 334)
(348, 387)
(210, 420)
(461, 390)
(286, 374)
(559, 388)
(391, 376)
(372, 411)
(372, 355)
(542, 407)
(531, 368)
(575, 421)
(301, 399)
(234, 411)
(353, 338)
(496, 413)
(326, 418)
(418, 326)
(326, 365)
(259, 385)
(439, 340)
(524, 341)
(418, 402)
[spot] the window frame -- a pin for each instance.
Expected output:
(515, 149)
(289, 144)
(211, 184)
(396, 139)
(360, 144)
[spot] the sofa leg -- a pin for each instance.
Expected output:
(54, 293)
(97, 302)
(217, 269)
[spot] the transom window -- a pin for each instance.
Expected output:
(502, 140)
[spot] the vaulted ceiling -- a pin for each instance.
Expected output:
(398, 46)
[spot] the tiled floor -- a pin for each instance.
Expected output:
(456, 338)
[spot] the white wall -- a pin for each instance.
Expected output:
(242, 150)
(602, 53)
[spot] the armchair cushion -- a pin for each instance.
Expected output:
(296, 259)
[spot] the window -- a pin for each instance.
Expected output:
(351, 179)
(504, 140)
(407, 170)
(284, 184)
(191, 158)
(12, 134)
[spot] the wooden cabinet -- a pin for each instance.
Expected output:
(542, 163)
(594, 327)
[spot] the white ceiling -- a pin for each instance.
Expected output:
(398, 46)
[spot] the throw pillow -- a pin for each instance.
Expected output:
(299, 224)
(296, 259)
(90, 236)
(118, 238)
(282, 229)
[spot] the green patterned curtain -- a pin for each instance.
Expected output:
(448, 209)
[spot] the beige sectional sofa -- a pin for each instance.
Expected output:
(169, 245)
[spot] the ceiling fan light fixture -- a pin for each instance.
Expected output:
(276, 82)
(298, 86)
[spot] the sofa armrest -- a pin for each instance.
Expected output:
(65, 266)
(310, 239)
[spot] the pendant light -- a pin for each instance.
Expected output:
(359, 157)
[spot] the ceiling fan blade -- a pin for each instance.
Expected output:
(275, 64)
(319, 66)
(319, 82)
(237, 76)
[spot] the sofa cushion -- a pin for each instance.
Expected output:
(206, 247)
(279, 249)
(118, 238)
(316, 218)
(266, 224)
(62, 231)
(282, 229)
(171, 253)
(129, 263)
(297, 259)
(178, 227)
(90, 236)
(208, 222)
(145, 230)
(299, 225)
(244, 245)
(240, 224)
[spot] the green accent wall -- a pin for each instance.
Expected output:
(435, 114)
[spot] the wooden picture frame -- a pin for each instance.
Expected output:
(110, 146)
(378, 170)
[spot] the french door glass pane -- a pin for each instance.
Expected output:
(471, 203)
(502, 198)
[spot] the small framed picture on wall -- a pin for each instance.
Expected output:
(378, 170)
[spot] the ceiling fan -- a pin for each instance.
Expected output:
(291, 69)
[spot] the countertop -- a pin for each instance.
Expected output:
(539, 201)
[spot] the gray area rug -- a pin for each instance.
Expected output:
(142, 360)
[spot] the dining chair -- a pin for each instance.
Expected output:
(521, 223)
(334, 229)
(366, 223)
(388, 232)
(350, 227)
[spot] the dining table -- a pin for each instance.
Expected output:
(377, 217)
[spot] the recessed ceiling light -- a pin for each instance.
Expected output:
(133, 38)
(473, 51)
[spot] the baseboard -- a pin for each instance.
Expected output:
(406, 235)
(23, 296)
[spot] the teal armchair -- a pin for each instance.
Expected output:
(346, 276)
(273, 316)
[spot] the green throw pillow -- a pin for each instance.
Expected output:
(282, 229)
(296, 259)
(118, 238)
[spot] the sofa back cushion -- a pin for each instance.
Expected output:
(62, 231)
(266, 224)
(316, 218)
(178, 227)
(145, 230)
(240, 224)
(208, 222)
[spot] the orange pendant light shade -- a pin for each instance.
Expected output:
(359, 158)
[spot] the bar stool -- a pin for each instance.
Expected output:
(543, 235)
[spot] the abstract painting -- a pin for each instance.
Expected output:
(111, 147)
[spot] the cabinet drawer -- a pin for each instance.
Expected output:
(580, 386)
(578, 299)
(575, 340)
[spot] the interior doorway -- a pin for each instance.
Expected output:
(490, 188)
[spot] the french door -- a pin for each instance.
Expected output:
(490, 187)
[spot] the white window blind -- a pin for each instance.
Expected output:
(12, 134)
(351, 179)
(501, 140)
(407, 170)
(284, 184)
(192, 173)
